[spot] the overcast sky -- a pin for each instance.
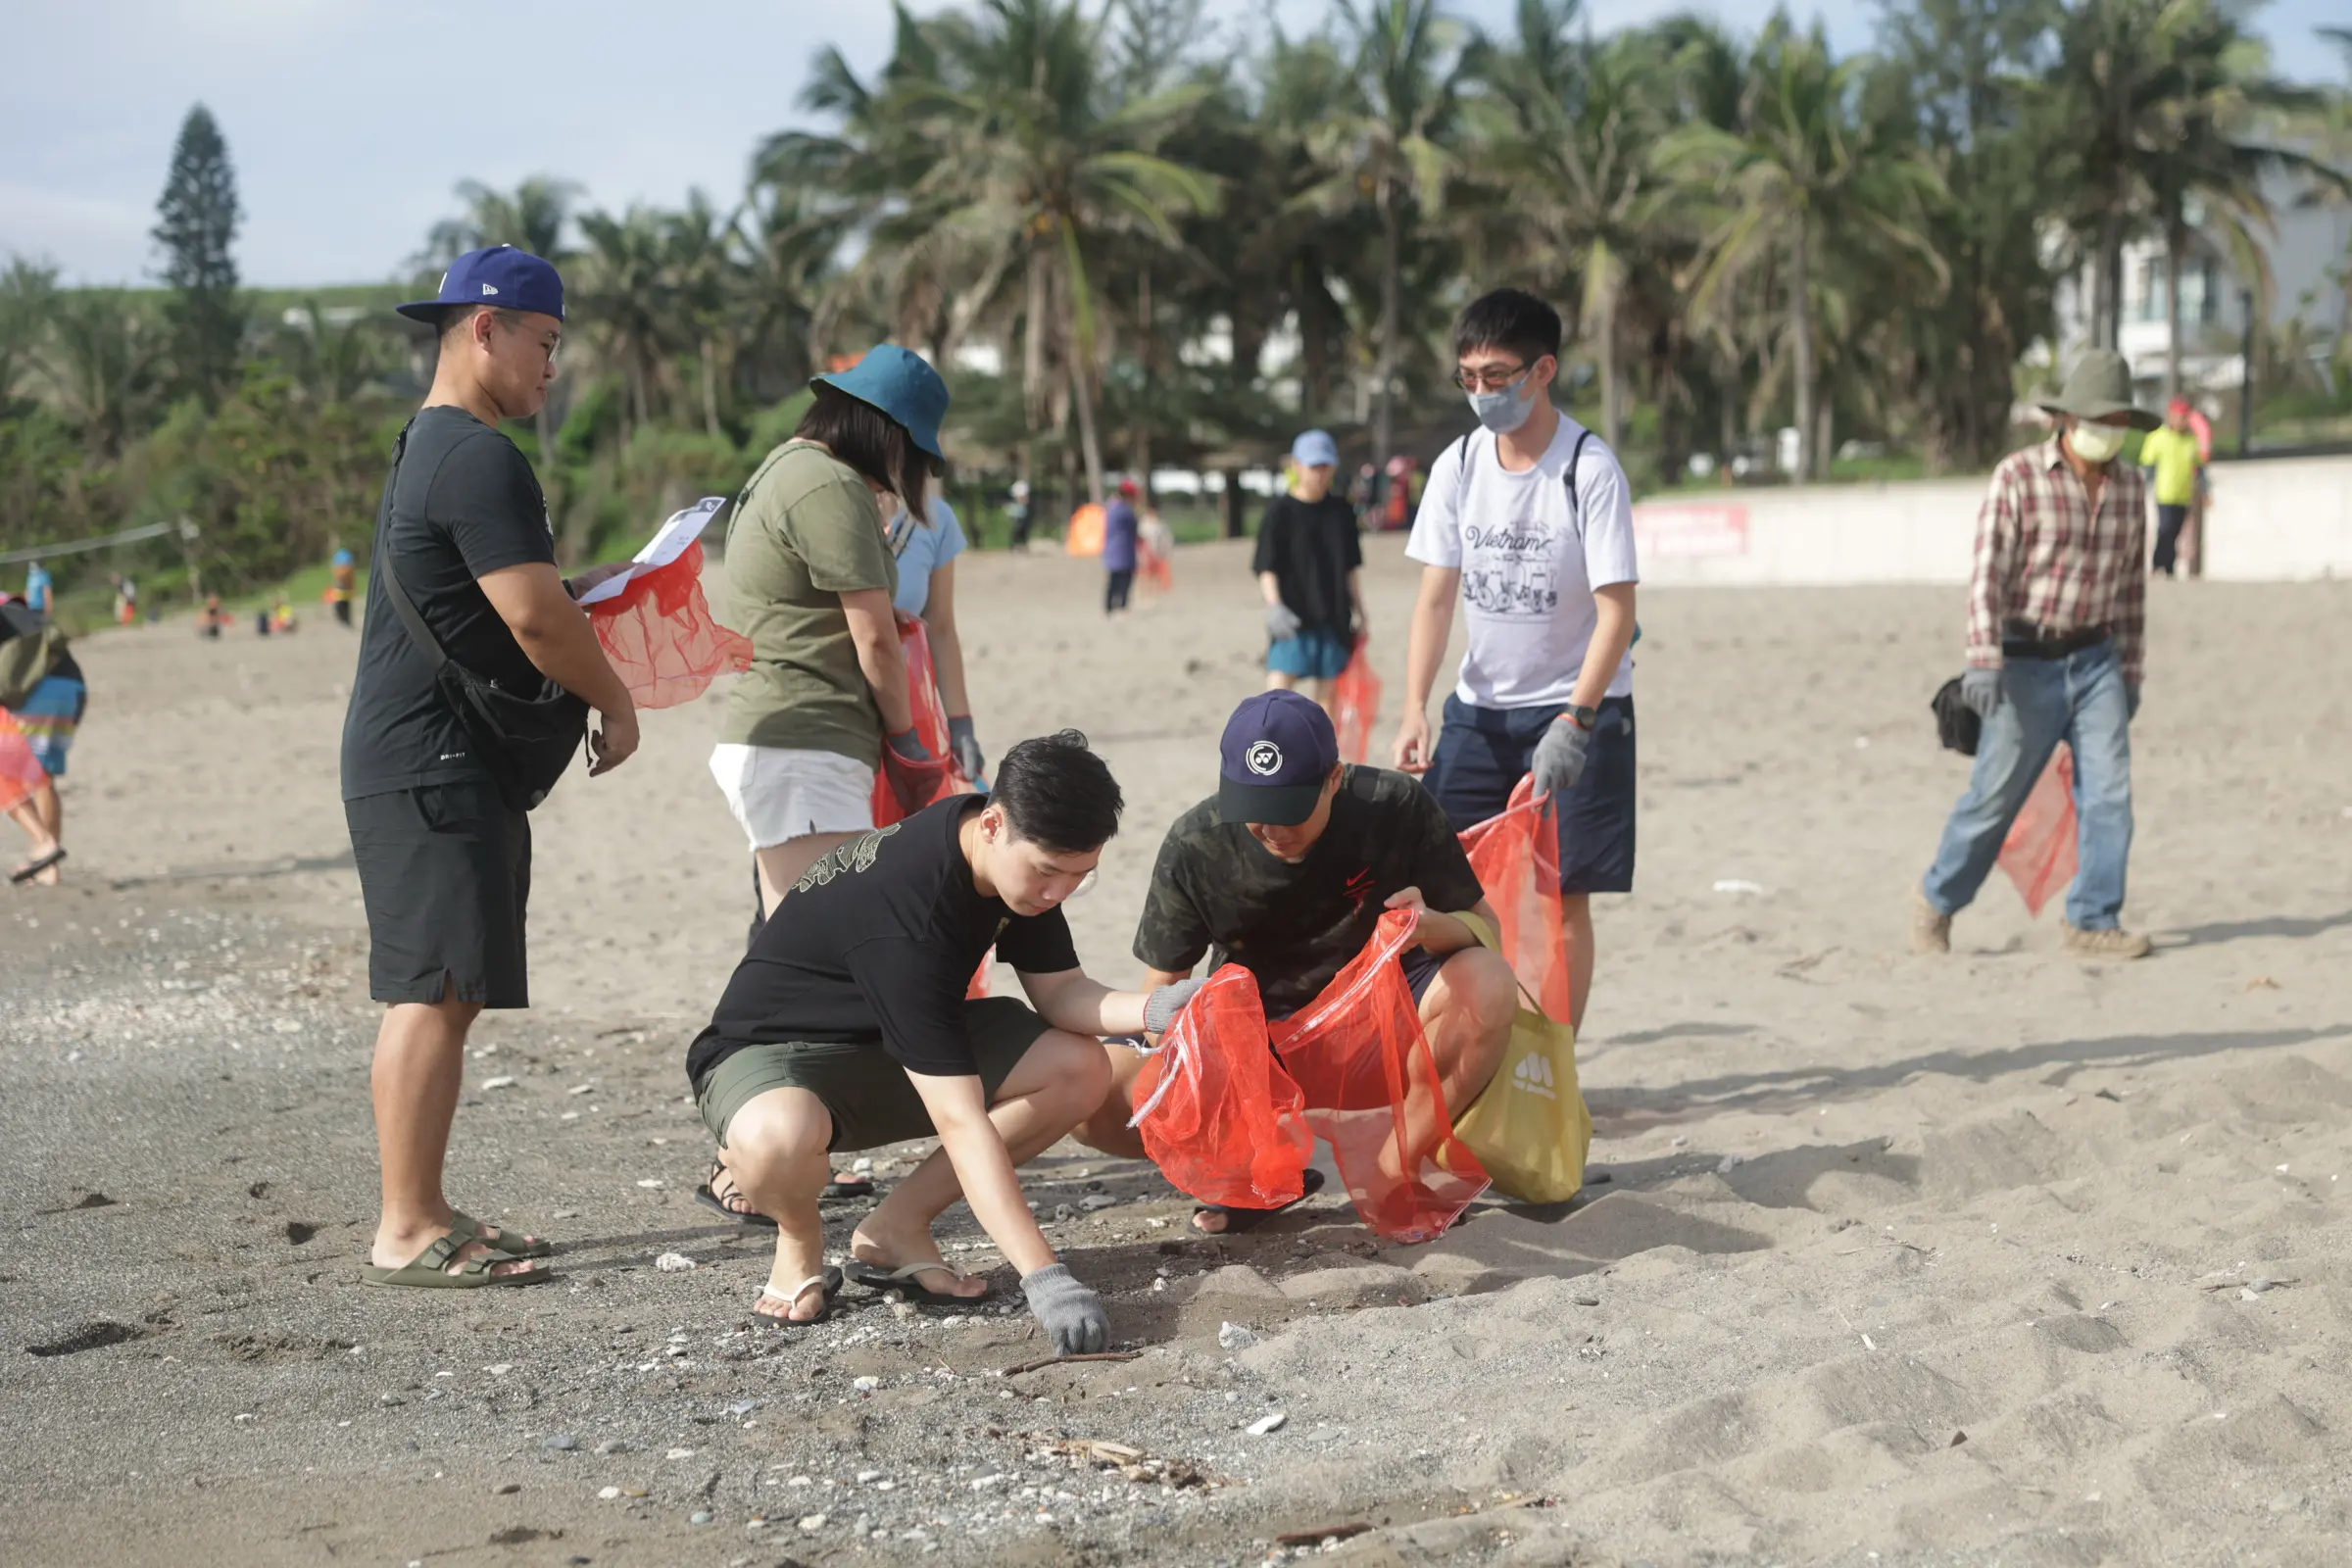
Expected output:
(349, 122)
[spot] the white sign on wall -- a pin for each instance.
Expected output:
(1688, 529)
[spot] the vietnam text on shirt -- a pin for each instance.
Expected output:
(1532, 552)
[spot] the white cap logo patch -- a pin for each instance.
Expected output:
(489, 288)
(1264, 759)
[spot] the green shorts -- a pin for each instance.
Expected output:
(863, 1088)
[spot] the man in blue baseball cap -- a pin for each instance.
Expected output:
(1286, 871)
(433, 796)
(1309, 568)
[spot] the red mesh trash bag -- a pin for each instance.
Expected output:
(1372, 1092)
(1153, 567)
(903, 788)
(661, 637)
(1218, 1115)
(2040, 852)
(22, 775)
(1517, 857)
(1356, 703)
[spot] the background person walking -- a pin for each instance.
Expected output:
(1120, 526)
(1310, 568)
(442, 852)
(2056, 616)
(2176, 464)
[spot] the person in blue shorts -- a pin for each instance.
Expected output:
(1309, 566)
(48, 710)
(1528, 524)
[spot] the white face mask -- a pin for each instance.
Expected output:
(2095, 443)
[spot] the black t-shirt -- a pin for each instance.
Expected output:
(464, 504)
(879, 941)
(1311, 547)
(1297, 926)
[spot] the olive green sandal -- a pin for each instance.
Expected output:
(513, 1246)
(428, 1270)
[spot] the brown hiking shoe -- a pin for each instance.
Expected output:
(1931, 928)
(2112, 943)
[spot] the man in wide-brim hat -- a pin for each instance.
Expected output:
(2056, 612)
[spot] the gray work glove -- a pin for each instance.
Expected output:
(2130, 703)
(908, 744)
(1561, 757)
(1162, 1005)
(1981, 690)
(966, 747)
(1282, 622)
(1074, 1315)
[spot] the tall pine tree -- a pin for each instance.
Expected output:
(199, 221)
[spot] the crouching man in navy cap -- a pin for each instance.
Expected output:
(1286, 871)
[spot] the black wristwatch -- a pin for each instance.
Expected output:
(1583, 719)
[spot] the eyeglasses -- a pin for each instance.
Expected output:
(1488, 380)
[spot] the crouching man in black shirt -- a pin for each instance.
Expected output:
(847, 1027)
(1286, 871)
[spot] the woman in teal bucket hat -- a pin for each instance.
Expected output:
(811, 576)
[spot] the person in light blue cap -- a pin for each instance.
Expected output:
(1310, 568)
(810, 580)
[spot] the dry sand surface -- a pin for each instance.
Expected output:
(1991, 1258)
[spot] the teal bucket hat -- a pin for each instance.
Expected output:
(902, 385)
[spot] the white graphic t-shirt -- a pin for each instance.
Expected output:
(1530, 563)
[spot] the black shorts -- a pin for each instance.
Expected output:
(1484, 753)
(445, 871)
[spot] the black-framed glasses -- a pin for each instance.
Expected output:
(1488, 381)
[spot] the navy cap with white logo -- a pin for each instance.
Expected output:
(1279, 748)
(497, 274)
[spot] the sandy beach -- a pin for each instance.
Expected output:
(1995, 1258)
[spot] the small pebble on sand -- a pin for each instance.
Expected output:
(866, 1385)
(1267, 1423)
(608, 1494)
(559, 1442)
(814, 1521)
(700, 1516)
(674, 1262)
(651, 1181)
(497, 1083)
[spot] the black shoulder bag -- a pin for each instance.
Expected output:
(528, 741)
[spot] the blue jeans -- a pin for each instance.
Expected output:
(2080, 700)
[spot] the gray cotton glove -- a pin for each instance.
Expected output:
(909, 744)
(966, 747)
(1561, 757)
(1162, 1005)
(1074, 1315)
(1282, 622)
(1981, 690)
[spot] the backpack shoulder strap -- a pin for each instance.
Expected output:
(1461, 473)
(1576, 504)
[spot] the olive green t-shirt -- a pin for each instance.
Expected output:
(806, 531)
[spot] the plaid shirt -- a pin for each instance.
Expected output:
(2045, 558)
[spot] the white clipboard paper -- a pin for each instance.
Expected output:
(667, 544)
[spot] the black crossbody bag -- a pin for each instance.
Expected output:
(529, 741)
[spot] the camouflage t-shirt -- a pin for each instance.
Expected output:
(879, 941)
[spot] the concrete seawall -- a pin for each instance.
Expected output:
(2284, 520)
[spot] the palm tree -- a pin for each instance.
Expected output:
(1801, 174)
(1029, 167)
(27, 294)
(624, 289)
(1394, 146)
(700, 277)
(101, 362)
(1572, 128)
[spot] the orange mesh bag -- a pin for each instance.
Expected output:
(903, 788)
(661, 635)
(1355, 699)
(1217, 1113)
(1517, 857)
(1372, 1092)
(22, 775)
(2040, 852)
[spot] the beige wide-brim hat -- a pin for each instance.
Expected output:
(2098, 388)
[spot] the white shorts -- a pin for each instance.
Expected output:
(778, 793)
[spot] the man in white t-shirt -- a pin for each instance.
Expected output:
(1529, 521)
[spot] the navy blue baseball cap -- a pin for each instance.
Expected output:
(1279, 748)
(902, 385)
(497, 274)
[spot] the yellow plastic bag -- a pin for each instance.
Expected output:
(1530, 1127)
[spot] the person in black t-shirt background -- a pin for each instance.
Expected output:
(1309, 565)
(444, 863)
(846, 1026)
(1286, 871)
